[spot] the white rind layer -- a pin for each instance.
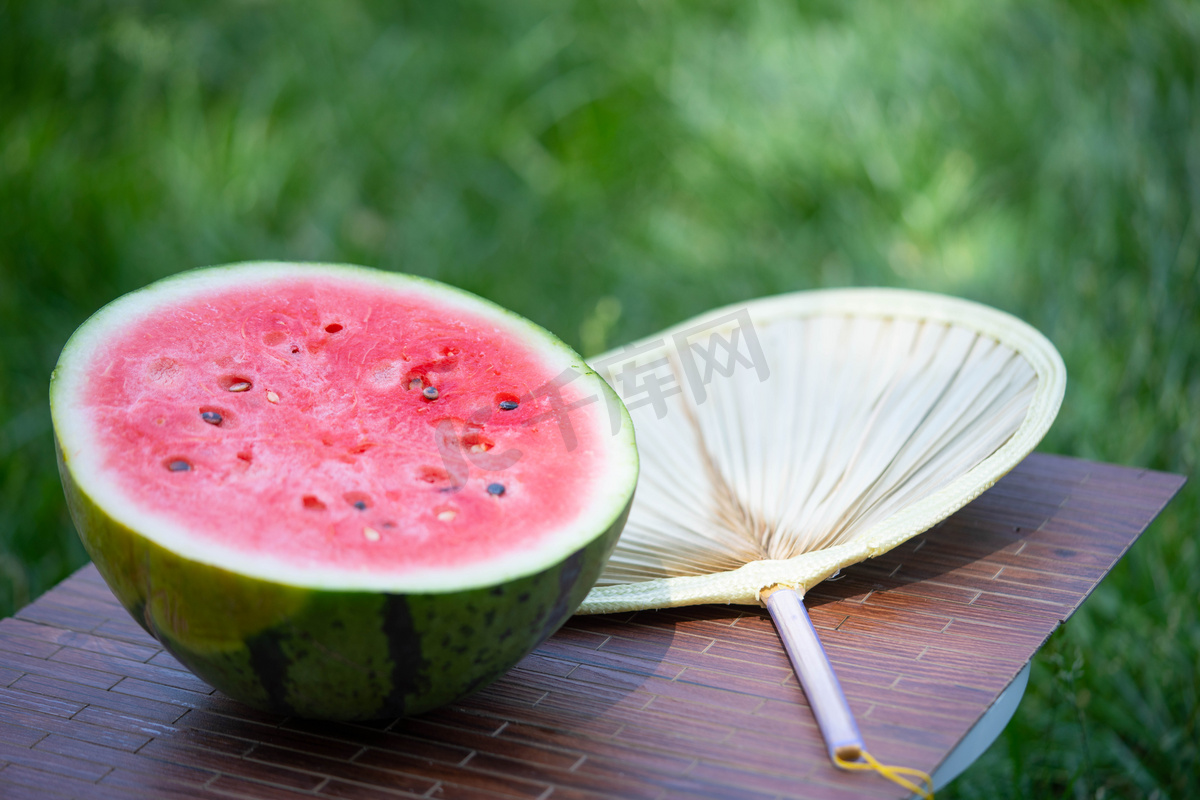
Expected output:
(83, 455)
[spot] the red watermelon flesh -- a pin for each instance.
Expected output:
(326, 430)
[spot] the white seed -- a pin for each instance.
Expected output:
(240, 386)
(447, 515)
(272, 397)
(479, 448)
(371, 535)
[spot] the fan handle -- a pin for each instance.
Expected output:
(816, 674)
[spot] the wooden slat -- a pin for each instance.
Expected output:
(691, 702)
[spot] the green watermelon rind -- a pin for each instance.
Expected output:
(338, 653)
(333, 654)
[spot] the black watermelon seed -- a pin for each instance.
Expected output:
(496, 489)
(211, 417)
(360, 505)
(430, 393)
(508, 405)
(179, 465)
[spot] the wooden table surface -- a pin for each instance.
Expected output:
(695, 702)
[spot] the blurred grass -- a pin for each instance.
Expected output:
(609, 168)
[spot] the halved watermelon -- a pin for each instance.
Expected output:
(337, 492)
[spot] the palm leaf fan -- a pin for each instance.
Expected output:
(786, 438)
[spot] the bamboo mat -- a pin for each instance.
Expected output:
(696, 702)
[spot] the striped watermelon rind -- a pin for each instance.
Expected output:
(332, 654)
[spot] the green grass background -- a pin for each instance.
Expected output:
(607, 168)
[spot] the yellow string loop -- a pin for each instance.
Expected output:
(893, 774)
